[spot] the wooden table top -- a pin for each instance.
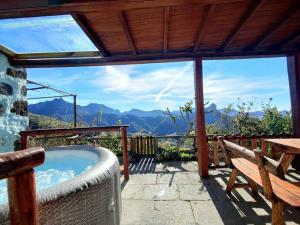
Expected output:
(289, 145)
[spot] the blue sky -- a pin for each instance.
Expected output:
(149, 86)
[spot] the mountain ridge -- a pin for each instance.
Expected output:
(139, 121)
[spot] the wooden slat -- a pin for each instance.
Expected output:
(282, 20)
(244, 142)
(263, 146)
(84, 24)
(127, 32)
(166, 28)
(208, 11)
(145, 146)
(254, 143)
(138, 149)
(241, 24)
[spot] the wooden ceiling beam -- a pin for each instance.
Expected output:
(84, 24)
(208, 11)
(39, 8)
(166, 28)
(141, 58)
(21, 8)
(126, 30)
(241, 24)
(283, 19)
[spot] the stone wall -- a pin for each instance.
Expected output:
(13, 104)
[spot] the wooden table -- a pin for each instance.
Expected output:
(289, 148)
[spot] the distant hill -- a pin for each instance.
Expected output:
(43, 122)
(155, 121)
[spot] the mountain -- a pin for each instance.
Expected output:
(141, 113)
(155, 121)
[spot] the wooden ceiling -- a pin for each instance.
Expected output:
(127, 31)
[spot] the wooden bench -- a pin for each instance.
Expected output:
(261, 171)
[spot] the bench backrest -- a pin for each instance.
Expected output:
(231, 149)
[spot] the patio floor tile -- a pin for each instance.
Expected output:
(160, 192)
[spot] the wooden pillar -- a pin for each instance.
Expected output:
(23, 207)
(200, 121)
(293, 63)
(75, 110)
(125, 152)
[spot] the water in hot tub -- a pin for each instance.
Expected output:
(59, 166)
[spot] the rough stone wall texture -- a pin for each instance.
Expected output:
(13, 104)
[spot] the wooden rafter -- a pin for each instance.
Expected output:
(288, 40)
(291, 12)
(208, 11)
(241, 24)
(166, 27)
(83, 23)
(125, 27)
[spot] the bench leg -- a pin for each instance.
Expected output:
(253, 186)
(231, 181)
(277, 213)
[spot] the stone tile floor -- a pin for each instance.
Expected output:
(173, 194)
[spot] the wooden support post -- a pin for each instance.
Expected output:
(75, 110)
(231, 181)
(22, 199)
(216, 153)
(125, 152)
(277, 212)
(24, 141)
(21, 185)
(293, 63)
(200, 120)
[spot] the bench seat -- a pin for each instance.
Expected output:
(287, 192)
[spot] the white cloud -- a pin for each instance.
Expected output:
(219, 88)
(172, 86)
(157, 86)
(124, 87)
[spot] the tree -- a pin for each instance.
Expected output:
(275, 122)
(245, 123)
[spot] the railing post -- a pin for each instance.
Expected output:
(75, 111)
(22, 196)
(125, 152)
(24, 141)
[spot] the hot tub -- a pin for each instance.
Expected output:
(76, 185)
